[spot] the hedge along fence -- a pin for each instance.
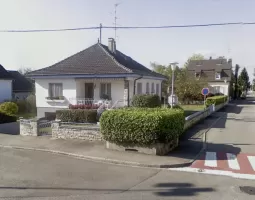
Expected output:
(79, 116)
(146, 101)
(5, 118)
(142, 126)
(216, 100)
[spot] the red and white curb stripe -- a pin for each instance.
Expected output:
(226, 164)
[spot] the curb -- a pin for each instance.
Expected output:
(103, 160)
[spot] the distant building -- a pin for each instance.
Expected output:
(218, 72)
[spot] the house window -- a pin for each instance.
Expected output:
(197, 75)
(157, 88)
(152, 88)
(105, 91)
(55, 89)
(217, 76)
(147, 88)
(139, 88)
(216, 89)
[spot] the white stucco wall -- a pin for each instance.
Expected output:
(117, 88)
(41, 92)
(150, 81)
(5, 90)
(224, 87)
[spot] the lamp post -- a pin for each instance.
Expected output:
(173, 65)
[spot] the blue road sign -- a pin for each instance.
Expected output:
(205, 91)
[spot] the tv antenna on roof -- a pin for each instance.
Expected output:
(115, 19)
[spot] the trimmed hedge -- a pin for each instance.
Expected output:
(79, 116)
(142, 126)
(9, 108)
(146, 101)
(215, 100)
(4, 118)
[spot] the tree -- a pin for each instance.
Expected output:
(237, 67)
(24, 71)
(188, 88)
(194, 57)
(253, 84)
(243, 80)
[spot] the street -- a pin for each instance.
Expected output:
(226, 165)
(37, 175)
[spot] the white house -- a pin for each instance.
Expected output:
(218, 73)
(96, 73)
(5, 85)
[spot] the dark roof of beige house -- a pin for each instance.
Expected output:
(208, 68)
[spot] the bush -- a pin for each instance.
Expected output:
(79, 116)
(215, 100)
(146, 101)
(31, 103)
(175, 107)
(84, 106)
(9, 108)
(142, 126)
(4, 118)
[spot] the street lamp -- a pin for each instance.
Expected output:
(173, 65)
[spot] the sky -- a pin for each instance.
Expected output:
(163, 46)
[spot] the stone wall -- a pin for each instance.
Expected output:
(75, 131)
(29, 127)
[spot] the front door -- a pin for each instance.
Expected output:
(89, 90)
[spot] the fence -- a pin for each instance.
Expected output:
(44, 127)
(35, 127)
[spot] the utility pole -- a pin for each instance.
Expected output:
(100, 37)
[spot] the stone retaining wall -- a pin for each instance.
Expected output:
(29, 127)
(75, 131)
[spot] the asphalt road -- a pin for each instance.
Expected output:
(41, 175)
(235, 132)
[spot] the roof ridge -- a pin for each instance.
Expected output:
(112, 57)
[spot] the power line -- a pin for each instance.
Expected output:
(128, 27)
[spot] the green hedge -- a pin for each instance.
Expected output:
(79, 116)
(9, 108)
(142, 126)
(146, 101)
(216, 100)
(4, 118)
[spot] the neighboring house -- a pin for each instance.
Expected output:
(21, 86)
(96, 73)
(5, 85)
(218, 73)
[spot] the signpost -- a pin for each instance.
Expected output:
(205, 91)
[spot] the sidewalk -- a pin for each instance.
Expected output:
(190, 146)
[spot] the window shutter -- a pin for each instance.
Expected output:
(109, 90)
(157, 89)
(152, 88)
(147, 88)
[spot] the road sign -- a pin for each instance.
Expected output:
(205, 91)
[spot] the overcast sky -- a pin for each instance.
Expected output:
(37, 50)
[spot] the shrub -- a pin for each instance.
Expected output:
(22, 106)
(141, 126)
(215, 100)
(31, 103)
(175, 107)
(79, 116)
(4, 118)
(9, 108)
(84, 106)
(146, 101)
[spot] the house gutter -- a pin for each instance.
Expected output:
(135, 83)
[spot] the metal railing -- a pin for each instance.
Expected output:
(88, 101)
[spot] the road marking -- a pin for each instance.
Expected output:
(210, 159)
(252, 161)
(232, 161)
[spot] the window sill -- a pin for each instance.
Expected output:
(55, 100)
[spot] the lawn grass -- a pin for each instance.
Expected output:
(190, 109)
(193, 107)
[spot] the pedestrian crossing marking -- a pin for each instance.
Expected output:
(232, 161)
(210, 159)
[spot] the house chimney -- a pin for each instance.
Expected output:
(112, 45)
